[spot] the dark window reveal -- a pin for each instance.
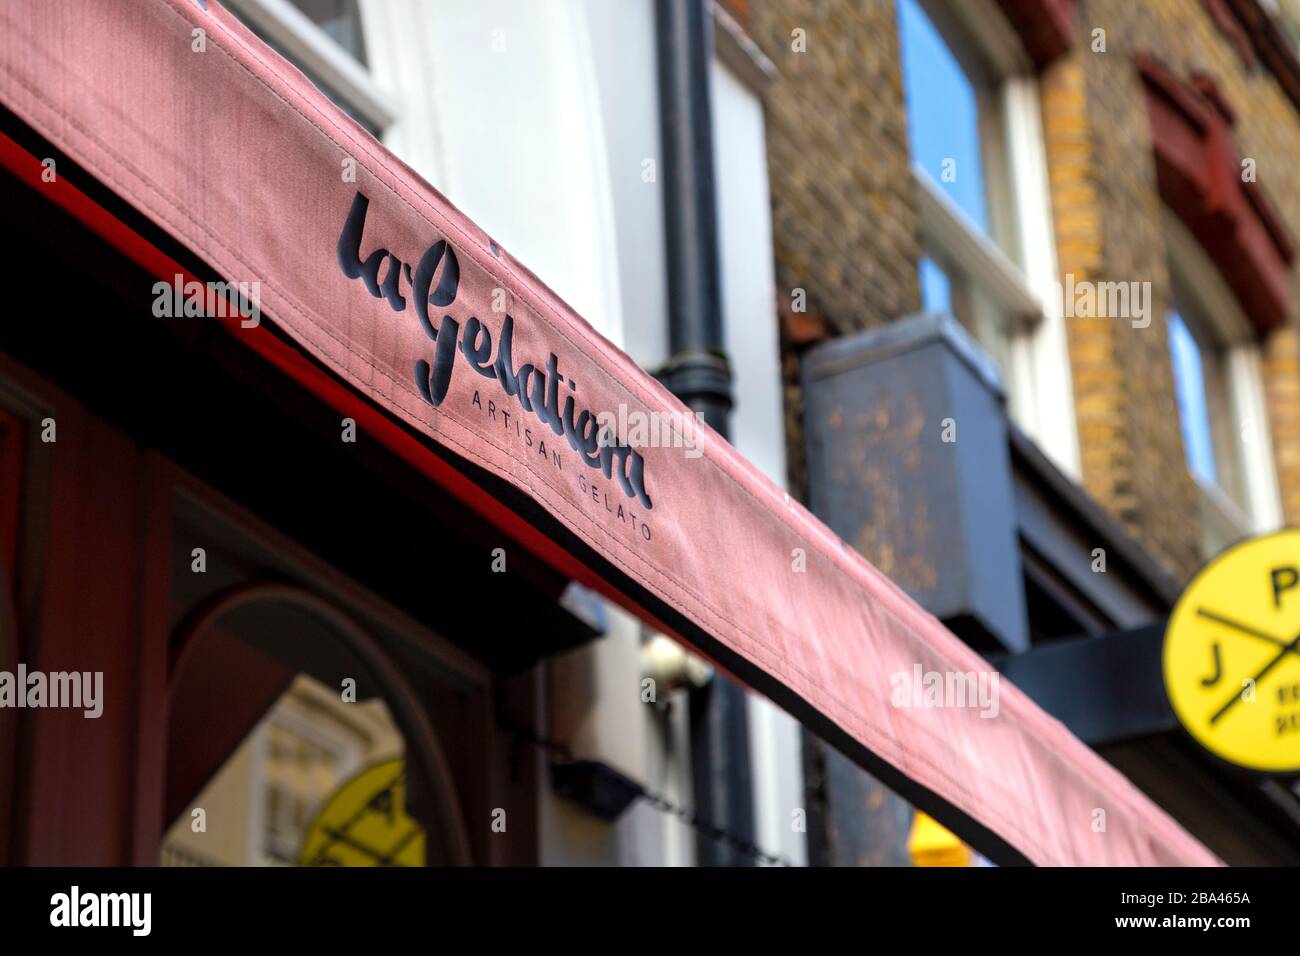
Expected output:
(340, 19)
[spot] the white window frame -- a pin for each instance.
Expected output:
(1013, 273)
(314, 51)
(1223, 520)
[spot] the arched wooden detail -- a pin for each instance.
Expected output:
(424, 750)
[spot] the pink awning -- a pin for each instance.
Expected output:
(236, 155)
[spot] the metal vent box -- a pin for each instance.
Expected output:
(909, 462)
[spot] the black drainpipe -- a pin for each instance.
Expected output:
(698, 373)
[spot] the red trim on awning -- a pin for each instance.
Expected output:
(371, 419)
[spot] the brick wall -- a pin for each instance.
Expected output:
(1107, 218)
(845, 231)
(1107, 221)
(845, 225)
(844, 222)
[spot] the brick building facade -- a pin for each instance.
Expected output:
(1107, 210)
(843, 221)
(1045, 159)
(849, 224)
(846, 221)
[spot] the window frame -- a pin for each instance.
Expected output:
(1214, 314)
(316, 53)
(193, 510)
(1010, 275)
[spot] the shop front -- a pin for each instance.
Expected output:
(338, 531)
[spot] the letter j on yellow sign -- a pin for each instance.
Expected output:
(1232, 655)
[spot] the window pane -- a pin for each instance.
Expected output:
(340, 19)
(321, 85)
(1193, 409)
(942, 112)
(936, 290)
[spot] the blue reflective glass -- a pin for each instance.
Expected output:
(936, 290)
(1193, 410)
(942, 112)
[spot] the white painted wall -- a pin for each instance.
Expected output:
(757, 421)
(594, 705)
(536, 119)
(499, 110)
(623, 44)
(748, 277)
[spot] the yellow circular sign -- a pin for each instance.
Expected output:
(1232, 655)
(365, 823)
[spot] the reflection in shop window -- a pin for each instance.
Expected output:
(302, 766)
(261, 805)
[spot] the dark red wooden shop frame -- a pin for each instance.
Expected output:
(120, 620)
(72, 796)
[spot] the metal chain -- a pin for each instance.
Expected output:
(561, 750)
(555, 748)
(725, 837)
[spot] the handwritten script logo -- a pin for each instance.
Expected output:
(537, 390)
